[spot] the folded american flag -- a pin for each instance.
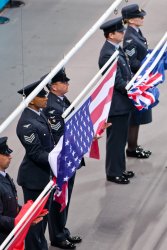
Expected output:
(144, 92)
(86, 121)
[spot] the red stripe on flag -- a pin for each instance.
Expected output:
(95, 114)
(107, 78)
(148, 96)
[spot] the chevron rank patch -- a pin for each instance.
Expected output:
(56, 126)
(130, 52)
(27, 125)
(29, 138)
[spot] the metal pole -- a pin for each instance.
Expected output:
(60, 65)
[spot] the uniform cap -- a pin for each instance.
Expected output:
(132, 11)
(29, 88)
(115, 24)
(4, 149)
(60, 77)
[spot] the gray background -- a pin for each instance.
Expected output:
(108, 216)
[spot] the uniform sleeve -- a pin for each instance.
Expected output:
(120, 83)
(6, 222)
(56, 122)
(130, 49)
(32, 144)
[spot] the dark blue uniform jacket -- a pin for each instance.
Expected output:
(135, 46)
(8, 206)
(121, 104)
(35, 135)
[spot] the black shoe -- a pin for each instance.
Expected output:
(74, 239)
(139, 148)
(128, 174)
(65, 244)
(137, 154)
(118, 179)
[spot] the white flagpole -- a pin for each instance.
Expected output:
(89, 85)
(63, 62)
(27, 214)
(130, 84)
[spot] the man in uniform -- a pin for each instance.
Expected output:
(56, 105)
(120, 106)
(9, 207)
(34, 132)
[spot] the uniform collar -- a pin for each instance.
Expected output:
(37, 112)
(3, 173)
(116, 45)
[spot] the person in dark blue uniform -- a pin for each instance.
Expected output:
(56, 105)
(135, 45)
(34, 132)
(121, 105)
(9, 207)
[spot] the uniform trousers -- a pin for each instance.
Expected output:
(57, 220)
(115, 145)
(35, 239)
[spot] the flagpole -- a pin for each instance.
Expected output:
(130, 84)
(63, 62)
(89, 85)
(30, 210)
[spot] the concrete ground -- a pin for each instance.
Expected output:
(108, 216)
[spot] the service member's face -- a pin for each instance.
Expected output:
(138, 21)
(4, 161)
(116, 37)
(39, 103)
(60, 88)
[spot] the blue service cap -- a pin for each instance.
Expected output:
(4, 149)
(29, 88)
(115, 24)
(60, 77)
(132, 11)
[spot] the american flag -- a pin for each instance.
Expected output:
(86, 121)
(144, 92)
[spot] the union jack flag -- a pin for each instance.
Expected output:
(86, 121)
(144, 92)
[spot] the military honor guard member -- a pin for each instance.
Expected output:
(121, 105)
(136, 47)
(34, 132)
(9, 207)
(56, 105)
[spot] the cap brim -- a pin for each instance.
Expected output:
(7, 151)
(121, 30)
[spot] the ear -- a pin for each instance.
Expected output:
(111, 35)
(32, 102)
(131, 21)
(54, 87)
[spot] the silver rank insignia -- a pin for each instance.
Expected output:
(29, 138)
(56, 126)
(130, 52)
